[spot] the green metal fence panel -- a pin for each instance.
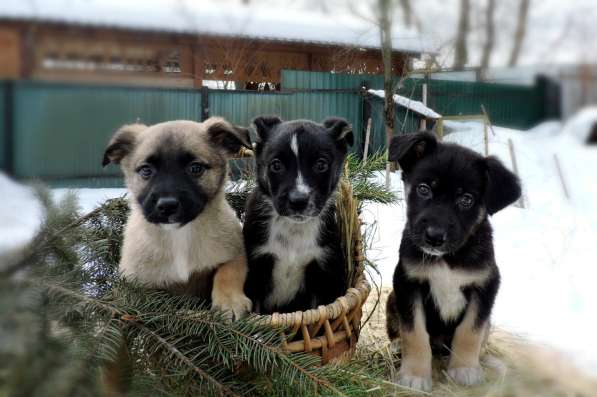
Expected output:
(60, 131)
(3, 140)
(240, 107)
(405, 121)
(508, 105)
(303, 80)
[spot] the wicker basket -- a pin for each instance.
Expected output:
(331, 331)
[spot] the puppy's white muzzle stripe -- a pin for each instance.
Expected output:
(300, 184)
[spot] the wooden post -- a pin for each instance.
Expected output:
(520, 202)
(561, 175)
(198, 66)
(204, 103)
(388, 167)
(440, 128)
(367, 135)
(485, 137)
(9, 135)
(424, 119)
(488, 119)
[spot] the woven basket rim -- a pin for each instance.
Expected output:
(354, 297)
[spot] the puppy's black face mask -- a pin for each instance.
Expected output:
(175, 169)
(300, 162)
(450, 191)
(171, 194)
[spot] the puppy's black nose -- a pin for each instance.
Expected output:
(297, 200)
(167, 206)
(435, 236)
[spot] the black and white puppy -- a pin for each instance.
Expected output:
(290, 231)
(447, 279)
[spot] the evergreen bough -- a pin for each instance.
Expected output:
(65, 314)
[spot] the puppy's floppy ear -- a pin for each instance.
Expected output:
(340, 129)
(122, 143)
(503, 187)
(407, 149)
(227, 136)
(264, 126)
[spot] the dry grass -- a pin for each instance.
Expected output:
(514, 367)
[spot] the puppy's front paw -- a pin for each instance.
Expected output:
(234, 305)
(415, 383)
(466, 376)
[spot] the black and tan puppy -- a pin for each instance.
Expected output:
(181, 234)
(291, 235)
(447, 279)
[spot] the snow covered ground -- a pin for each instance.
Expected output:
(19, 217)
(546, 251)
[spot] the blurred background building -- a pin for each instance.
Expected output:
(170, 44)
(72, 71)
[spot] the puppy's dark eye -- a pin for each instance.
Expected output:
(466, 201)
(196, 169)
(424, 191)
(276, 166)
(145, 171)
(321, 166)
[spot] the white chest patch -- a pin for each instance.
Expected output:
(181, 242)
(446, 285)
(294, 246)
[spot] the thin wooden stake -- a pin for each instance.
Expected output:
(488, 119)
(424, 119)
(520, 202)
(561, 175)
(485, 137)
(388, 166)
(367, 136)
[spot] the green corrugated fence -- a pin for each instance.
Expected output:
(3, 138)
(59, 131)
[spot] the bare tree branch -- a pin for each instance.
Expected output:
(461, 45)
(385, 29)
(519, 34)
(489, 37)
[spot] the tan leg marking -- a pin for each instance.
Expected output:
(464, 366)
(227, 293)
(415, 368)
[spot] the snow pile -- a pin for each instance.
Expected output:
(580, 125)
(20, 216)
(546, 252)
(415, 106)
(88, 199)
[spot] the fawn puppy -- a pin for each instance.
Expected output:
(181, 234)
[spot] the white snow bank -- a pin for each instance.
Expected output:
(20, 216)
(408, 103)
(88, 199)
(581, 124)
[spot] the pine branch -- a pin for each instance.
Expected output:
(217, 385)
